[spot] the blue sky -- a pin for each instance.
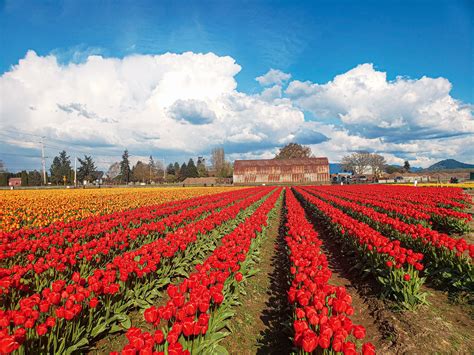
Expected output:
(313, 41)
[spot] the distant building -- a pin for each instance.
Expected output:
(14, 182)
(282, 171)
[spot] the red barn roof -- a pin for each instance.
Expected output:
(280, 162)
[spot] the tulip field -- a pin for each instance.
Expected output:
(174, 270)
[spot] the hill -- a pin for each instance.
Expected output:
(449, 164)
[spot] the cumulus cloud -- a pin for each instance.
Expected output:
(173, 103)
(369, 105)
(271, 93)
(181, 105)
(273, 77)
(192, 111)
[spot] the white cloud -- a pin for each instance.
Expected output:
(185, 104)
(365, 103)
(180, 103)
(192, 111)
(271, 93)
(273, 77)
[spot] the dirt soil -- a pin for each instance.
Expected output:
(262, 322)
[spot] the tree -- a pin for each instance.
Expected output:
(228, 169)
(191, 170)
(201, 167)
(114, 171)
(406, 166)
(34, 178)
(377, 163)
(170, 169)
(183, 172)
(87, 169)
(140, 172)
(24, 178)
(294, 151)
(356, 163)
(61, 170)
(221, 167)
(4, 179)
(125, 173)
(217, 160)
(3, 168)
(177, 169)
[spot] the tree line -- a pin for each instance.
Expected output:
(61, 171)
(363, 162)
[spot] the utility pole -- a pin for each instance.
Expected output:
(164, 170)
(75, 170)
(43, 162)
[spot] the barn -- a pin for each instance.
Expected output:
(282, 171)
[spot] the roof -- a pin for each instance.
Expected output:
(280, 162)
(14, 179)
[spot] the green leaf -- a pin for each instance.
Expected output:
(220, 350)
(115, 329)
(99, 328)
(81, 343)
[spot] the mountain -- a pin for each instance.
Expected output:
(413, 169)
(449, 164)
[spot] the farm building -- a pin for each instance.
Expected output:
(14, 182)
(282, 171)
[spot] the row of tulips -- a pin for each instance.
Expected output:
(431, 215)
(395, 268)
(40, 208)
(18, 245)
(445, 257)
(84, 258)
(427, 196)
(68, 314)
(194, 313)
(321, 311)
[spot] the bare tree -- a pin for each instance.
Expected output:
(218, 161)
(357, 162)
(114, 171)
(377, 163)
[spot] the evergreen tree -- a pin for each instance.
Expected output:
(125, 171)
(24, 178)
(34, 178)
(176, 169)
(170, 169)
(406, 166)
(61, 168)
(155, 170)
(87, 169)
(183, 172)
(191, 170)
(4, 178)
